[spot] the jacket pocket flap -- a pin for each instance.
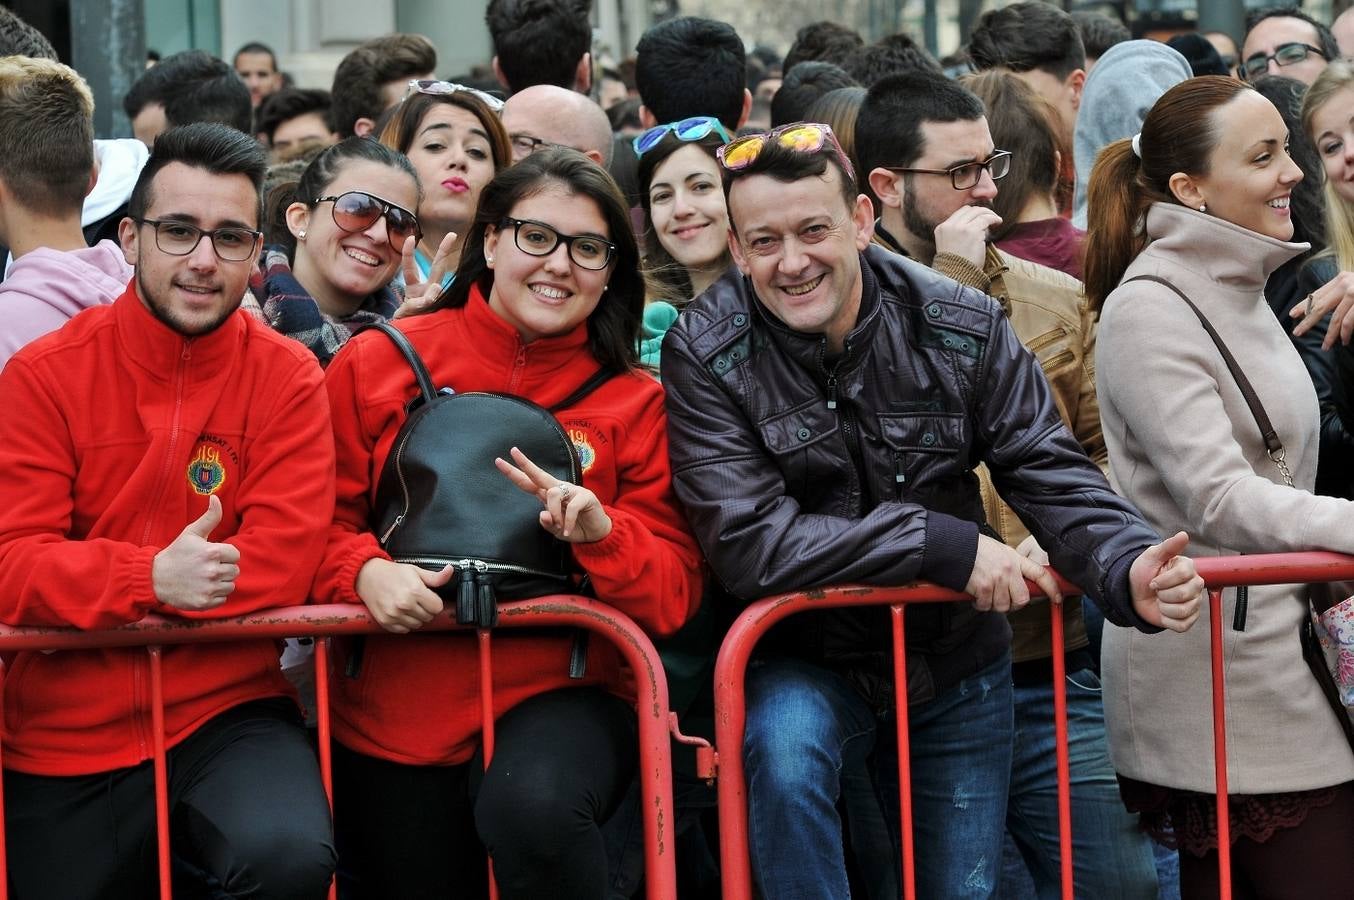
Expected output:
(923, 432)
(797, 428)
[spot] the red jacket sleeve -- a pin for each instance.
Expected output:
(648, 567)
(284, 501)
(350, 541)
(39, 563)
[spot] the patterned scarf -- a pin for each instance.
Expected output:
(289, 310)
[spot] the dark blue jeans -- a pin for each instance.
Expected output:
(806, 723)
(1113, 859)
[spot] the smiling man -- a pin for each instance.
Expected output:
(165, 455)
(1286, 41)
(827, 405)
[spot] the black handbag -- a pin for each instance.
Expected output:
(440, 500)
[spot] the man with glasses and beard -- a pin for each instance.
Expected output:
(925, 144)
(827, 404)
(164, 455)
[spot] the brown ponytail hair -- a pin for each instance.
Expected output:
(1178, 135)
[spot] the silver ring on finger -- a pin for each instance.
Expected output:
(565, 489)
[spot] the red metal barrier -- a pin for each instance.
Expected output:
(759, 617)
(326, 622)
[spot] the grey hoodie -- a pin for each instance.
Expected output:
(1122, 87)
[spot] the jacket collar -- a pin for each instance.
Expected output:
(1212, 248)
(885, 238)
(496, 342)
(809, 349)
(159, 349)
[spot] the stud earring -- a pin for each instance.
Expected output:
(301, 235)
(1203, 207)
(489, 260)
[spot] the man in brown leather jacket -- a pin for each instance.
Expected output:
(827, 405)
(930, 160)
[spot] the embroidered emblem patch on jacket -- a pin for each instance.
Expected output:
(206, 473)
(586, 454)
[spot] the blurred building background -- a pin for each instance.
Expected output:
(107, 39)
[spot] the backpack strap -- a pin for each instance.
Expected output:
(421, 375)
(599, 378)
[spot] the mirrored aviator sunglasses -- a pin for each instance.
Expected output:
(356, 211)
(801, 137)
(692, 129)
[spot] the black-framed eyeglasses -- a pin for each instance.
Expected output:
(539, 239)
(231, 244)
(524, 145)
(966, 176)
(356, 211)
(1289, 54)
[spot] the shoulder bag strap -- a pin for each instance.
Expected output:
(1273, 446)
(599, 378)
(421, 375)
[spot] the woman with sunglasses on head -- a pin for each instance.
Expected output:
(547, 292)
(687, 238)
(1196, 208)
(452, 135)
(337, 236)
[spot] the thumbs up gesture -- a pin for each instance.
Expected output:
(193, 573)
(1166, 589)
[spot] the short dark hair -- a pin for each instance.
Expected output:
(613, 327)
(46, 134)
(689, 66)
(891, 55)
(1027, 35)
(18, 38)
(356, 92)
(1199, 52)
(1329, 48)
(255, 47)
(319, 174)
(290, 103)
(788, 166)
(821, 42)
(218, 149)
(804, 84)
(1099, 32)
(888, 129)
(539, 41)
(192, 86)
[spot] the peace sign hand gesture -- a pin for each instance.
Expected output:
(420, 294)
(572, 512)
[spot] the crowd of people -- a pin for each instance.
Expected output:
(847, 315)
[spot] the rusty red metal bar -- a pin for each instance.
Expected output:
(325, 622)
(761, 616)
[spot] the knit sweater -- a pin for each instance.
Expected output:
(416, 699)
(1185, 449)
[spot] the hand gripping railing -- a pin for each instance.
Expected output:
(327, 622)
(759, 617)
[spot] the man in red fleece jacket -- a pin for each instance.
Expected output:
(164, 454)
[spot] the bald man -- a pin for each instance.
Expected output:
(545, 115)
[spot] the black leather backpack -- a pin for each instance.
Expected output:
(441, 500)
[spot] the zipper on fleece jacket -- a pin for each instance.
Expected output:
(180, 373)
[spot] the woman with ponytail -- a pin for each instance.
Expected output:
(1196, 206)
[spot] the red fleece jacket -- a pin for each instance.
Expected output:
(116, 430)
(416, 698)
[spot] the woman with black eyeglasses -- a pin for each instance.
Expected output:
(547, 293)
(336, 237)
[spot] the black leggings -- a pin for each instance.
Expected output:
(1310, 861)
(246, 807)
(562, 762)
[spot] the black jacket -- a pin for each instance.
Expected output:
(799, 471)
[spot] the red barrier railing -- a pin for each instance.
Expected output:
(656, 724)
(753, 623)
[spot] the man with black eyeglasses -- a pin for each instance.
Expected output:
(925, 144)
(1285, 41)
(164, 454)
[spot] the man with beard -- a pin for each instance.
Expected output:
(164, 455)
(925, 144)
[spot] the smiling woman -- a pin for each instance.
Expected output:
(1200, 200)
(547, 294)
(338, 235)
